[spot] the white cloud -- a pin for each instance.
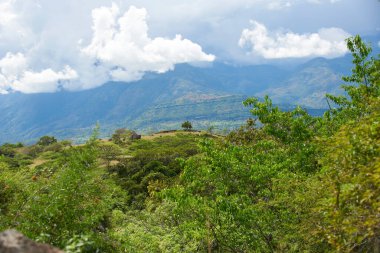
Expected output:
(122, 43)
(7, 14)
(15, 76)
(3, 85)
(328, 42)
(13, 65)
(120, 50)
(12, 32)
(45, 81)
(378, 43)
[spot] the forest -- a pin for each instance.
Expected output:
(285, 181)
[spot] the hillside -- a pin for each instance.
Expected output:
(297, 180)
(211, 95)
(297, 183)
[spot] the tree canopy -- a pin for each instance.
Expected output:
(187, 125)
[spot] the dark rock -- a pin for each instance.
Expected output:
(135, 136)
(12, 241)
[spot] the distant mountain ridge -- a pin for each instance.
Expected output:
(211, 95)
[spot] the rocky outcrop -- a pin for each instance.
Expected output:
(12, 241)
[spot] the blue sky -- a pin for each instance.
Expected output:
(48, 45)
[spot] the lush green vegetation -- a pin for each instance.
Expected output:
(283, 182)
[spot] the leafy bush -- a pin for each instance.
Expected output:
(46, 140)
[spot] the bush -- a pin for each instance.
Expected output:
(46, 140)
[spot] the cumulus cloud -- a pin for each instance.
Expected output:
(13, 65)
(15, 76)
(327, 42)
(120, 50)
(46, 80)
(122, 43)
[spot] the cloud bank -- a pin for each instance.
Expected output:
(120, 50)
(327, 42)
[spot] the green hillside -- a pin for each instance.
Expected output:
(284, 181)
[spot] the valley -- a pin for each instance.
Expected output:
(209, 96)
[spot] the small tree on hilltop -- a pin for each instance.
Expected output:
(46, 140)
(187, 125)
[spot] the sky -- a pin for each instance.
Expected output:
(51, 45)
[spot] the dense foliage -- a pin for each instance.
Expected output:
(283, 182)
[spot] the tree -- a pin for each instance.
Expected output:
(109, 152)
(263, 187)
(362, 86)
(46, 140)
(351, 179)
(56, 207)
(122, 136)
(7, 150)
(187, 125)
(350, 175)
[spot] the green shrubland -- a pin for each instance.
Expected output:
(283, 182)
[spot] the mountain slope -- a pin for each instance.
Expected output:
(202, 95)
(310, 82)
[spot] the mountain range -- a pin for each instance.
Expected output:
(207, 96)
